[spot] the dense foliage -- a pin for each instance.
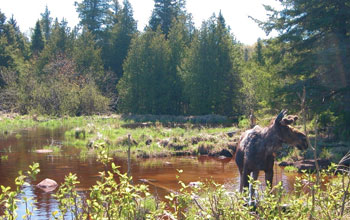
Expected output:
(174, 68)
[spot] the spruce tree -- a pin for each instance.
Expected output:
(37, 39)
(46, 23)
(316, 34)
(164, 12)
(211, 71)
(87, 56)
(145, 85)
(94, 15)
(119, 40)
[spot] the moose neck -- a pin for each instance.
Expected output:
(273, 140)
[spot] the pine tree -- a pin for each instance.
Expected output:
(60, 44)
(316, 34)
(211, 71)
(179, 40)
(258, 56)
(164, 12)
(94, 15)
(87, 56)
(119, 41)
(37, 39)
(145, 85)
(14, 45)
(46, 22)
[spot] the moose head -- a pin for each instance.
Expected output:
(288, 134)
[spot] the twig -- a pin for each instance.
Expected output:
(129, 160)
(302, 105)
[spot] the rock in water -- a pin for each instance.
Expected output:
(47, 185)
(43, 151)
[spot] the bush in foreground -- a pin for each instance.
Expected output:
(111, 199)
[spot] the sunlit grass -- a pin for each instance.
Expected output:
(147, 138)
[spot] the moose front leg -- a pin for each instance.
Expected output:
(269, 170)
(244, 179)
(252, 192)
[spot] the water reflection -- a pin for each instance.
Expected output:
(159, 173)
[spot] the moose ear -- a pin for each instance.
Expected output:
(290, 119)
(280, 116)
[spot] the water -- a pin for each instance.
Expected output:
(160, 173)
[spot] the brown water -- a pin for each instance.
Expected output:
(161, 173)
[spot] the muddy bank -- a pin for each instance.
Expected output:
(307, 164)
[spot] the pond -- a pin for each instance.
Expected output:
(18, 151)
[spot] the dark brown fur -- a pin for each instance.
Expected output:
(256, 147)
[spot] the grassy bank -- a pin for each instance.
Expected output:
(160, 136)
(155, 138)
(150, 136)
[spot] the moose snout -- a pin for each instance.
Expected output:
(302, 145)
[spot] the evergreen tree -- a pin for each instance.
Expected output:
(5, 52)
(13, 44)
(119, 41)
(2, 23)
(46, 22)
(211, 71)
(60, 44)
(37, 39)
(145, 85)
(316, 34)
(164, 12)
(113, 14)
(18, 39)
(179, 40)
(94, 15)
(87, 56)
(258, 56)
(12, 21)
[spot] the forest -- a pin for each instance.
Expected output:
(172, 68)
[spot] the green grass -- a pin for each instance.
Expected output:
(146, 141)
(290, 169)
(89, 130)
(4, 157)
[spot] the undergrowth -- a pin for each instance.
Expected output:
(120, 199)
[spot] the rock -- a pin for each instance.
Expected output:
(285, 163)
(195, 184)
(148, 180)
(231, 133)
(78, 132)
(90, 144)
(310, 165)
(148, 142)
(47, 185)
(232, 146)
(225, 153)
(137, 125)
(43, 151)
(164, 142)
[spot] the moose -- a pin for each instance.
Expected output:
(257, 147)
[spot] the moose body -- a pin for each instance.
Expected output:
(257, 147)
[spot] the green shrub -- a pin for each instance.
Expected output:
(57, 92)
(244, 123)
(326, 154)
(290, 169)
(119, 199)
